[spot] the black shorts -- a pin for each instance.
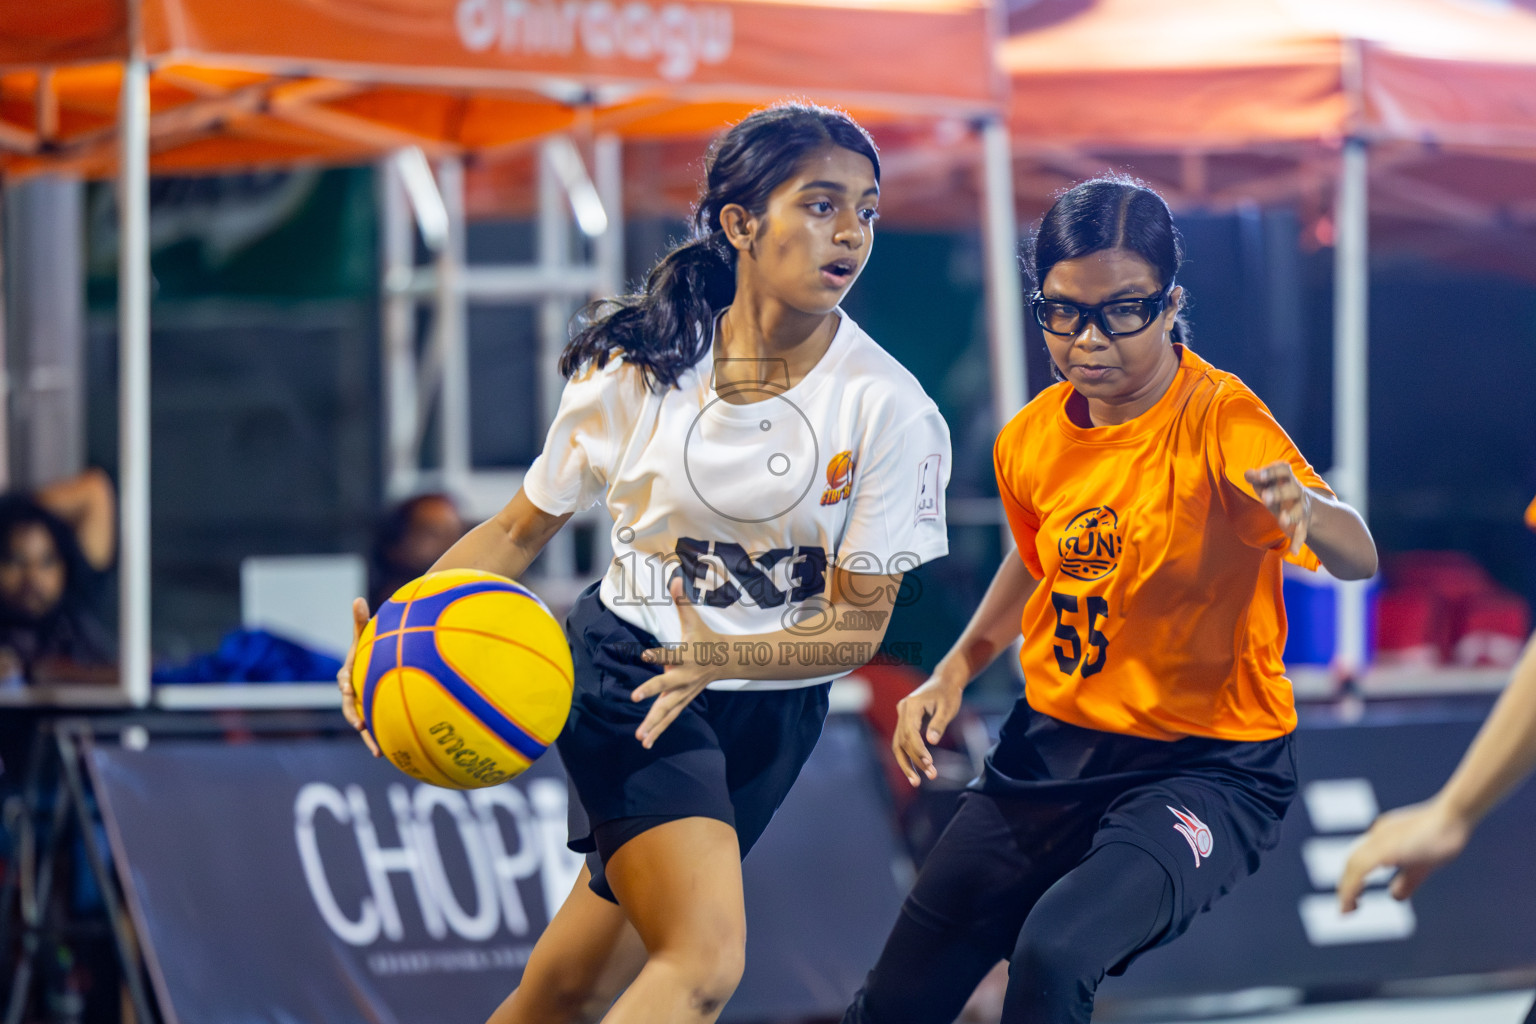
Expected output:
(729, 755)
(1204, 809)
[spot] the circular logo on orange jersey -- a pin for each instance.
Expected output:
(1090, 545)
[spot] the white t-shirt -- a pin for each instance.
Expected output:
(754, 504)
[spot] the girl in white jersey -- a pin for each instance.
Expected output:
(771, 473)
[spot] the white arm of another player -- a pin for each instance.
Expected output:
(1419, 839)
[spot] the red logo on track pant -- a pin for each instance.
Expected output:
(1195, 833)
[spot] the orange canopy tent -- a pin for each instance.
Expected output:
(1237, 101)
(1425, 106)
(93, 87)
(1218, 74)
(242, 85)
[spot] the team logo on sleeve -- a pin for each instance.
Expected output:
(928, 487)
(1090, 545)
(839, 478)
(1195, 833)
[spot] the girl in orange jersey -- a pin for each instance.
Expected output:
(1152, 498)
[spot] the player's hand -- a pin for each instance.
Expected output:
(678, 683)
(1416, 840)
(344, 677)
(924, 714)
(1288, 501)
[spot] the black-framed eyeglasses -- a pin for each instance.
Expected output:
(1115, 317)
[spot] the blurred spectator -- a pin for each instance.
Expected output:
(55, 546)
(408, 539)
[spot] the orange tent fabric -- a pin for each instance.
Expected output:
(63, 31)
(285, 80)
(1225, 102)
(1224, 74)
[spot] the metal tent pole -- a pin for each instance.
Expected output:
(1005, 302)
(1351, 349)
(554, 251)
(451, 322)
(1351, 393)
(398, 334)
(608, 248)
(133, 364)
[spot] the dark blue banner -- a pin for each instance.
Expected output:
(301, 880)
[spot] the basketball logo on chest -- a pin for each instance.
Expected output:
(1090, 546)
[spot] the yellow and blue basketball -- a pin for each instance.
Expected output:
(464, 678)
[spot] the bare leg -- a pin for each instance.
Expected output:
(680, 884)
(580, 964)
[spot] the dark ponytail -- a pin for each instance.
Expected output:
(666, 328)
(1112, 212)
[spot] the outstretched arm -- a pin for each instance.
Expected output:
(507, 543)
(1333, 530)
(1417, 840)
(927, 711)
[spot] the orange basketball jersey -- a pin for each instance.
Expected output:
(1159, 611)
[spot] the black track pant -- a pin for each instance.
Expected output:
(1060, 935)
(1078, 851)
